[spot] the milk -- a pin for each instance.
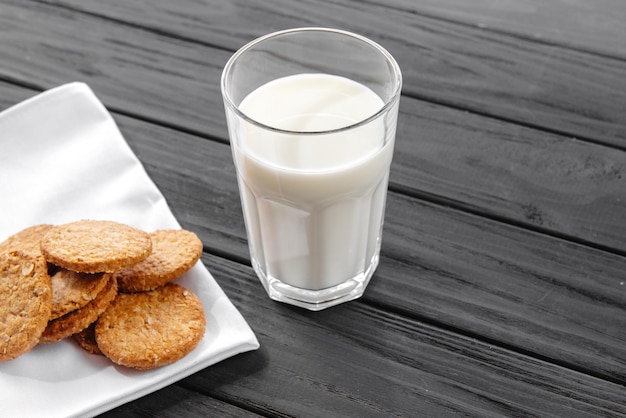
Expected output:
(313, 204)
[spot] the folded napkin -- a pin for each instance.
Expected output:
(62, 158)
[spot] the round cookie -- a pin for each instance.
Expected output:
(174, 252)
(27, 240)
(151, 329)
(79, 319)
(72, 290)
(26, 295)
(91, 246)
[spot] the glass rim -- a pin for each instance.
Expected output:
(396, 76)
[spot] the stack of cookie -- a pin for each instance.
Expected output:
(105, 284)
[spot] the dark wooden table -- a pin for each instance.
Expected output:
(502, 285)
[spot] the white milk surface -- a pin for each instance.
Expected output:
(313, 203)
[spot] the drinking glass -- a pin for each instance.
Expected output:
(312, 115)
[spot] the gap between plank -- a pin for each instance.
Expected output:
(508, 120)
(482, 213)
(490, 341)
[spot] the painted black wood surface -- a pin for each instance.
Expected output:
(502, 285)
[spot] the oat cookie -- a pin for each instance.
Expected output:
(86, 339)
(71, 290)
(79, 319)
(91, 246)
(26, 302)
(174, 252)
(151, 329)
(27, 240)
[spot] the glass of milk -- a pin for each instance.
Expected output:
(312, 120)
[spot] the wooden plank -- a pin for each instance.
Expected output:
(499, 282)
(597, 27)
(505, 283)
(362, 361)
(137, 72)
(176, 401)
(545, 181)
(503, 170)
(569, 91)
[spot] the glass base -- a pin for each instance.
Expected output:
(316, 300)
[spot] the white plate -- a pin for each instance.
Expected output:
(62, 158)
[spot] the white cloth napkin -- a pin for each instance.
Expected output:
(62, 158)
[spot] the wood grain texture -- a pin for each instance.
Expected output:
(509, 77)
(545, 181)
(137, 72)
(505, 283)
(596, 27)
(175, 401)
(397, 367)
